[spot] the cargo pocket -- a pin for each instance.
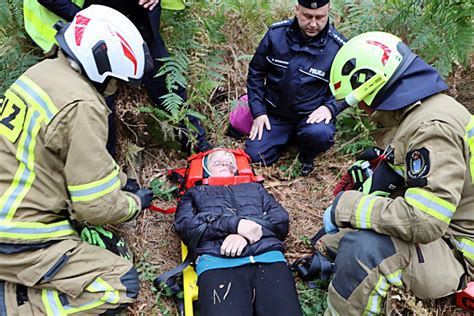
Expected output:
(435, 272)
(50, 261)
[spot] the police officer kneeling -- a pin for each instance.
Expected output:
(421, 236)
(288, 88)
(55, 168)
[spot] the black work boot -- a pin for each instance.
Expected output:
(307, 166)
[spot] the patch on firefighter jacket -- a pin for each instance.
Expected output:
(418, 163)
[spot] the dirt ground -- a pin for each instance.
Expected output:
(155, 243)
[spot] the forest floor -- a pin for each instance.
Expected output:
(155, 243)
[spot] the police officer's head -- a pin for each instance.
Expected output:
(312, 16)
(105, 44)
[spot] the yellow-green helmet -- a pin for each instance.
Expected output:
(367, 65)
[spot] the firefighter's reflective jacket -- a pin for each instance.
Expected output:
(433, 146)
(54, 165)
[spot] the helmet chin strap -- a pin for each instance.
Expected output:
(366, 89)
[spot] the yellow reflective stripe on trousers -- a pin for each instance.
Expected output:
(395, 278)
(364, 211)
(470, 141)
(99, 285)
(96, 189)
(430, 204)
(54, 307)
(466, 246)
(377, 297)
(52, 303)
(29, 231)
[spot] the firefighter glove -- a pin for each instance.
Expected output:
(146, 196)
(329, 226)
(106, 239)
(131, 185)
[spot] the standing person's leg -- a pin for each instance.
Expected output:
(275, 291)
(368, 264)
(69, 276)
(313, 139)
(267, 150)
(112, 136)
(156, 86)
(226, 292)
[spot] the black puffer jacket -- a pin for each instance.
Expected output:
(215, 205)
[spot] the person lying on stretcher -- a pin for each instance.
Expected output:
(240, 264)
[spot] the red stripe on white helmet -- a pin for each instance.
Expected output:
(80, 27)
(128, 52)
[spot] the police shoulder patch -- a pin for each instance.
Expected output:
(281, 23)
(336, 36)
(418, 163)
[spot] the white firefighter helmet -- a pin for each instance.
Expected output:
(105, 43)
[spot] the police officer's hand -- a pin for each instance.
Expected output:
(250, 230)
(320, 114)
(233, 245)
(257, 126)
(148, 4)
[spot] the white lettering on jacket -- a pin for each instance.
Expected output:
(317, 72)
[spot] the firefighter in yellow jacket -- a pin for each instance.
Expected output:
(55, 169)
(421, 236)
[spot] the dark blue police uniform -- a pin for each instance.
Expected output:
(288, 79)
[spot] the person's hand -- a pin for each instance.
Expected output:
(233, 245)
(148, 4)
(327, 221)
(320, 114)
(146, 196)
(257, 126)
(250, 230)
(131, 185)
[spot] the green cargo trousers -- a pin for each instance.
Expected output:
(368, 263)
(67, 277)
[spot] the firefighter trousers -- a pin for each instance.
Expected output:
(67, 277)
(367, 264)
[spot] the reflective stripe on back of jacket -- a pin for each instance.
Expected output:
(53, 130)
(39, 23)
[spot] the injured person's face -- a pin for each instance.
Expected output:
(221, 163)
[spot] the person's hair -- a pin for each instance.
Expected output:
(216, 152)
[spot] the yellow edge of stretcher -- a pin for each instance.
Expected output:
(190, 287)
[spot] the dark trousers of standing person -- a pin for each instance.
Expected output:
(260, 289)
(148, 23)
(156, 86)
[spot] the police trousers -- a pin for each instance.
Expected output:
(67, 277)
(367, 264)
(312, 139)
